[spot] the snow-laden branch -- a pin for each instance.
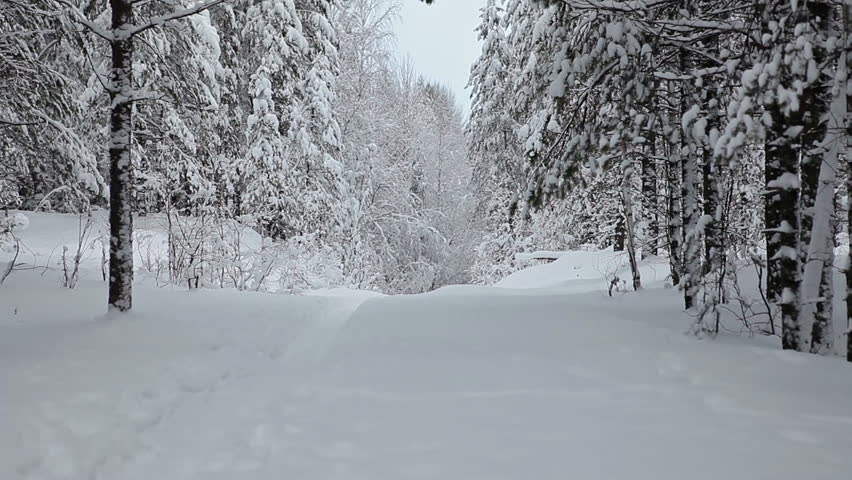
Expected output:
(13, 123)
(80, 17)
(133, 30)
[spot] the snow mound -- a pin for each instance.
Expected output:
(596, 268)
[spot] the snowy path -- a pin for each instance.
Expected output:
(465, 383)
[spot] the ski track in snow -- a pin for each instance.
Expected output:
(465, 384)
(135, 432)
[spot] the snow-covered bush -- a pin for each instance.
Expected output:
(11, 226)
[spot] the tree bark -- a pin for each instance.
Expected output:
(620, 233)
(817, 195)
(673, 221)
(783, 228)
(782, 191)
(691, 210)
(627, 195)
(121, 181)
(819, 164)
(771, 215)
(822, 331)
(649, 197)
(847, 32)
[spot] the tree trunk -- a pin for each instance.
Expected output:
(847, 32)
(120, 217)
(714, 244)
(771, 171)
(691, 212)
(818, 272)
(691, 238)
(673, 225)
(619, 234)
(627, 194)
(783, 228)
(771, 215)
(782, 193)
(822, 332)
(649, 197)
(710, 179)
(817, 168)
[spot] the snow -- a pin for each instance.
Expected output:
(461, 383)
(582, 271)
(538, 255)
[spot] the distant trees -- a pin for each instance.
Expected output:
(289, 116)
(698, 109)
(403, 152)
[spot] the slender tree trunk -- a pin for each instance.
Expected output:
(709, 177)
(782, 192)
(847, 31)
(121, 218)
(817, 194)
(691, 238)
(673, 220)
(691, 210)
(822, 332)
(714, 250)
(772, 214)
(715, 247)
(649, 197)
(818, 167)
(627, 194)
(620, 233)
(771, 171)
(818, 272)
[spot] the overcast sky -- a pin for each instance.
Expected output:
(440, 38)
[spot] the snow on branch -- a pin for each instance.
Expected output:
(162, 19)
(12, 123)
(81, 18)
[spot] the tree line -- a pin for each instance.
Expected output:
(294, 118)
(713, 132)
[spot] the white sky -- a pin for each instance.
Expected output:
(441, 41)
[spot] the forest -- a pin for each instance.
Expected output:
(259, 239)
(714, 133)
(717, 132)
(294, 118)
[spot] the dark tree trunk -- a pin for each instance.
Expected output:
(620, 234)
(649, 197)
(712, 242)
(713, 187)
(847, 31)
(690, 213)
(771, 171)
(771, 214)
(783, 187)
(673, 225)
(121, 181)
(627, 197)
(783, 228)
(691, 241)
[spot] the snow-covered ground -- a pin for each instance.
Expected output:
(556, 382)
